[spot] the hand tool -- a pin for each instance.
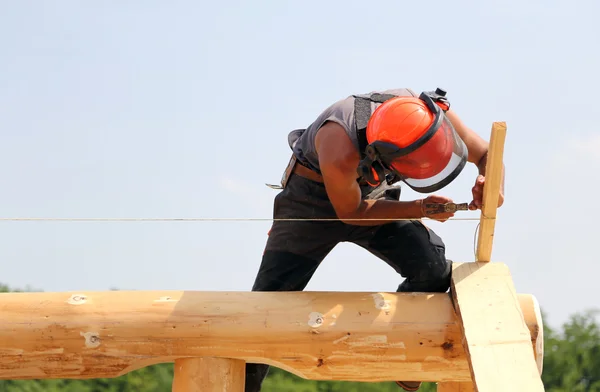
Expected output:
(439, 208)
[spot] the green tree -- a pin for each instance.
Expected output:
(572, 356)
(279, 380)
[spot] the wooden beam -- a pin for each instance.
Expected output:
(209, 375)
(496, 337)
(531, 311)
(455, 387)
(491, 192)
(316, 335)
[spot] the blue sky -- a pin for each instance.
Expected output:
(121, 109)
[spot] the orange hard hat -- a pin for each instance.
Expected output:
(413, 138)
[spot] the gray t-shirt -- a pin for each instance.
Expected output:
(302, 141)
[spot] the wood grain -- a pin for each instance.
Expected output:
(209, 375)
(455, 387)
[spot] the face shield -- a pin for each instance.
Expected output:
(428, 164)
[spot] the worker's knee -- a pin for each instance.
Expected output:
(432, 271)
(434, 276)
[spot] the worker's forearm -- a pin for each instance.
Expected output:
(481, 165)
(378, 212)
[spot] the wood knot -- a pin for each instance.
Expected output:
(77, 299)
(315, 319)
(92, 339)
(447, 346)
(319, 362)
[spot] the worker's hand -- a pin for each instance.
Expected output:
(477, 191)
(437, 199)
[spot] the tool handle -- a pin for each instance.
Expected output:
(438, 208)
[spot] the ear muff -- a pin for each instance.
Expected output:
(370, 168)
(371, 172)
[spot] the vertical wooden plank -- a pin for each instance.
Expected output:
(491, 192)
(497, 340)
(209, 375)
(455, 387)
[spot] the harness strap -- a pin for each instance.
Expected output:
(362, 114)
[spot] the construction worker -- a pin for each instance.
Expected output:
(340, 184)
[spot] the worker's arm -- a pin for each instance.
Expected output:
(478, 152)
(338, 160)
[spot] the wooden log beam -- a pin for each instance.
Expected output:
(497, 338)
(209, 375)
(531, 312)
(316, 335)
(491, 192)
(455, 387)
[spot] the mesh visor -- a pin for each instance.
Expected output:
(436, 163)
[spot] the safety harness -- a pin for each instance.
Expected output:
(371, 169)
(362, 114)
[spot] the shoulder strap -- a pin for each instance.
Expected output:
(362, 114)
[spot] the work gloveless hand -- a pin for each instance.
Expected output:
(477, 191)
(436, 199)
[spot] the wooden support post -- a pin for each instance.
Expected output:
(533, 318)
(209, 375)
(491, 192)
(455, 387)
(496, 338)
(495, 335)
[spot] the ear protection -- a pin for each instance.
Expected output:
(371, 168)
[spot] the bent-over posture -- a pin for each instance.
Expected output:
(344, 166)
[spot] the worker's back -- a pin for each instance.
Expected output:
(302, 141)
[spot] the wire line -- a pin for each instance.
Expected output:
(208, 219)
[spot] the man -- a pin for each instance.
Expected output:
(339, 182)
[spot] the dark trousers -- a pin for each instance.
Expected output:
(295, 249)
